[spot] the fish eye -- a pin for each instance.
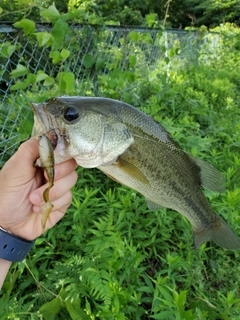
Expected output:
(71, 114)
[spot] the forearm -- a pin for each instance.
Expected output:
(4, 267)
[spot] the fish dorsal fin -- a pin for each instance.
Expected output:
(131, 170)
(153, 206)
(211, 178)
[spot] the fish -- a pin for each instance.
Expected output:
(135, 150)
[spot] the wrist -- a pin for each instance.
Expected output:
(18, 231)
(12, 247)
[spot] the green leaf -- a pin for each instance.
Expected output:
(48, 81)
(59, 56)
(66, 82)
(130, 76)
(44, 38)
(51, 13)
(27, 25)
(88, 60)
(10, 50)
(1, 10)
(133, 35)
(167, 60)
(55, 56)
(163, 48)
(69, 78)
(19, 71)
(31, 78)
(24, 84)
(7, 49)
(19, 85)
(26, 125)
(100, 63)
(164, 315)
(168, 298)
(65, 53)
(180, 299)
(41, 76)
(132, 61)
(116, 304)
(51, 309)
(74, 310)
(60, 29)
(146, 38)
(151, 19)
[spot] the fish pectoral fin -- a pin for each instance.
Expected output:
(153, 206)
(211, 178)
(131, 170)
(220, 233)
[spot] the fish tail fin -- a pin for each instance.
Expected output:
(220, 233)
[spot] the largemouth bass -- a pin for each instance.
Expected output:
(135, 150)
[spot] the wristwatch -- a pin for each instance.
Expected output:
(13, 248)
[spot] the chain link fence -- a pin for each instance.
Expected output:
(102, 59)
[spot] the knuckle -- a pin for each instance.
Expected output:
(69, 197)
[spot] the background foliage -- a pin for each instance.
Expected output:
(111, 257)
(171, 13)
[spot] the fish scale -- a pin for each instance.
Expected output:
(164, 188)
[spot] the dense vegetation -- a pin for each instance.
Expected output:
(170, 13)
(111, 257)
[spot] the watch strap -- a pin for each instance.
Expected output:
(13, 248)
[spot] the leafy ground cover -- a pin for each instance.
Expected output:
(111, 257)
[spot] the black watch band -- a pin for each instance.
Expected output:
(13, 248)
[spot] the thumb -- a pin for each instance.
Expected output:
(22, 162)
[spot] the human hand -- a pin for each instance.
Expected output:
(21, 189)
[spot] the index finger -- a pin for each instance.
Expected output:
(64, 168)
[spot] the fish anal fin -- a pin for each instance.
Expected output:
(211, 178)
(131, 170)
(153, 206)
(220, 233)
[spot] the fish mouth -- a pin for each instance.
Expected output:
(44, 123)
